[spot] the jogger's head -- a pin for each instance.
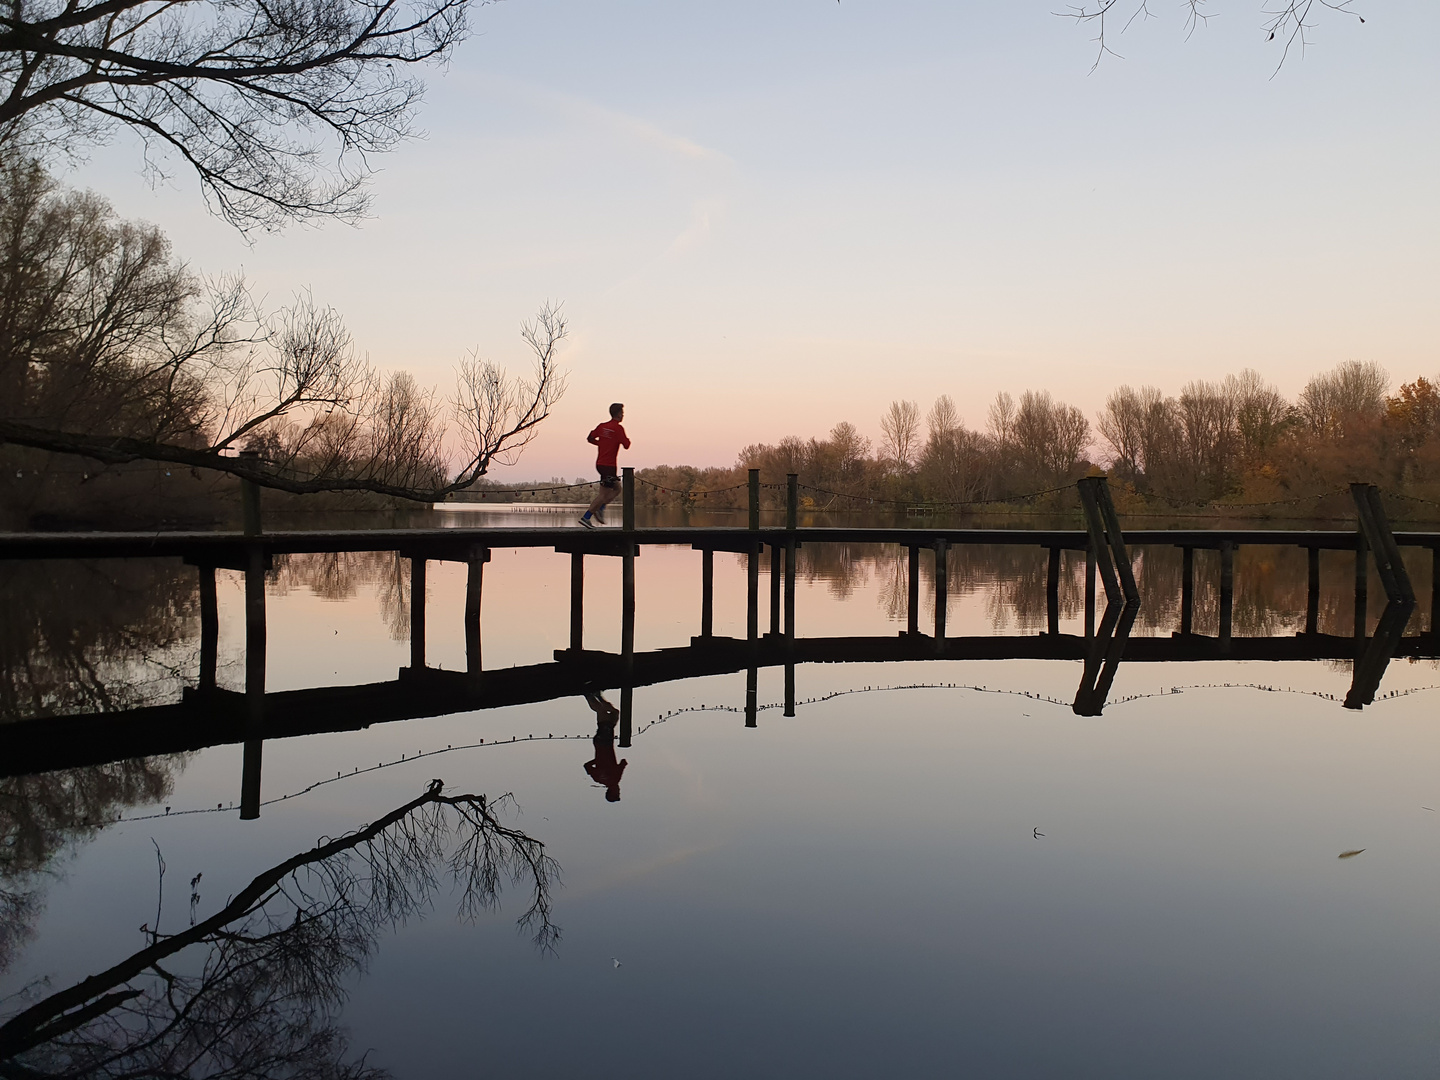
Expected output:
(617, 411)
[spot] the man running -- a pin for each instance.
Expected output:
(609, 437)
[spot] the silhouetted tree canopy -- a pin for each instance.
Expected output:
(275, 107)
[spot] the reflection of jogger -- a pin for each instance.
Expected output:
(603, 768)
(609, 437)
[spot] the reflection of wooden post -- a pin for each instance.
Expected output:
(912, 589)
(209, 628)
(417, 612)
(474, 581)
(577, 601)
(789, 688)
(775, 589)
(1312, 590)
(254, 682)
(1052, 592)
(941, 591)
(707, 593)
(1089, 592)
(1227, 590)
(1362, 583)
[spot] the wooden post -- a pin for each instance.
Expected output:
(775, 589)
(254, 683)
(209, 628)
(1434, 586)
(912, 591)
(577, 601)
(627, 493)
(1362, 583)
(1312, 590)
(1187, 591)
(941, 589)
(752, 595)
(474, 583)
(627, 641)
(792, 501)
(707, 593)
(790, 549)
(1089, 592)
(1227, 590)
(250, 497)
(1052, 592)
(754, 484)
(417, 613)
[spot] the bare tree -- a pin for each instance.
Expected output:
(943, 418)
(251, 96)
(252, 990)
(900, 425)
(1002, 421)
(1287, 21)
(1354, 390)
(112, 349)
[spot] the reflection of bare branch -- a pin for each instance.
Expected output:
(251, 991)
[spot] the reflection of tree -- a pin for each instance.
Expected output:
(339, 575)
(90, 635)
(45, 816)
(253, 990)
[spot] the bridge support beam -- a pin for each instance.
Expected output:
(417, 613)
(707, 593)
(1089, 593)
(577, 601)
(942, 590)
(1187, 591)
(1052, 592)
(775, 589)
(254, 683)
(1312, 590)
(209, 628)
(1227, 591)
(474, 584)
(912, 582)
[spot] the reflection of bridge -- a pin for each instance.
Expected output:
(219, 717)
(209, 716)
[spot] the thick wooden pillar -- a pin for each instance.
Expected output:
(417, 613)
(1227, 590)
(1052, 592)
(912, 589)
(754, 493)
(752, 625)
(707, 593)
(790, 549)
(577, 601)
(941, 593)
(209, 628)
(1312, 590)
(1187, 591)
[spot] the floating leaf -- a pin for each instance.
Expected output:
(1350, 854)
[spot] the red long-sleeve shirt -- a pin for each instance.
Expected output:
(609, 437)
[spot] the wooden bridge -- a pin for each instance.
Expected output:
(209, 716)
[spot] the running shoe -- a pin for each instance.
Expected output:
(587, 523)
(599, 516)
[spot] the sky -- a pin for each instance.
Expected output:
(763, 218)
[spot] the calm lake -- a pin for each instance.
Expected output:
(934, 868)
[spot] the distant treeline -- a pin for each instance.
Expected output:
(1237, 442)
